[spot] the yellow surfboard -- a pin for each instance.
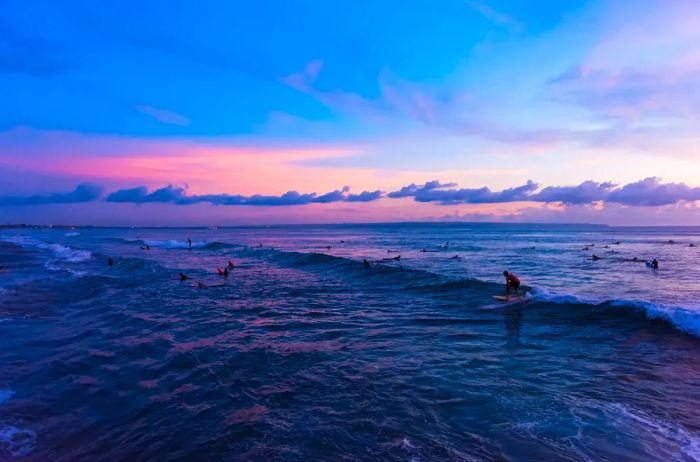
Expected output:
(503, 298)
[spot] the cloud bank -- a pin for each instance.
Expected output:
(649, 192)
(175, 195)
(82, 193)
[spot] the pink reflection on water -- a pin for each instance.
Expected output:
(247, 415)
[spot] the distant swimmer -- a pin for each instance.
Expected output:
(366, 263)
(671, 241)
(456, 257)
(109, 261)
(201, 285)
(183, 277)
(423, 250)
(596, 257)
(230, 264)
(396, 258)
(189, 243)
(512, 282)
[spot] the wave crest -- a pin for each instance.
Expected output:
(683, 318)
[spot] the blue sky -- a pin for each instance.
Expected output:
(246, 99)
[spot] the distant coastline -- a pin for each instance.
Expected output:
(387, 223)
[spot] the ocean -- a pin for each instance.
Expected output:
(305, 354)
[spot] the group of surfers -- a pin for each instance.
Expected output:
(512, 282)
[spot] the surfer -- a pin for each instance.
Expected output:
(366, 263)
(396, 258)
(230, 264)
(146, 247)
(189, 243)
(512, 282)
(655, 263)
(109, 261)
(456, 257)
(595, 257)
(183, 277)
(691, 245)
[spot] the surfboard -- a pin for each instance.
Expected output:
(503, 298)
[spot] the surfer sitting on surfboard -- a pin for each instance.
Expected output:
(512, 282)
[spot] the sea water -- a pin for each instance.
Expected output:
(304, 353)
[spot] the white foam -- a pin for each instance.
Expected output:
(173, 244)
(70, 255)
(683, 318)
(52, 265)
(60, 251)
(17, 441)
(688, 442)
(406, 443)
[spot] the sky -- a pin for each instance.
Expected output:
(232, 113)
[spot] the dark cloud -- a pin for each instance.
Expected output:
(335, 196)
(365, 196)
(648, 192)
(82, 193)
(585, 193)
(447, 194)
(174, 195)
(652, 192)
(413, 189)
(140, 195)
